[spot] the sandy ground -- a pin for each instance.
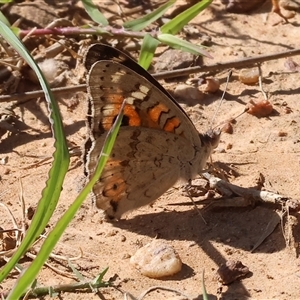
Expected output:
(258, 147)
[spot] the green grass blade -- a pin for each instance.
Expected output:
(177, 43)
(94, 13)
(3, 19)
(99, 278)
(141, 23)
(205, 296)
(60, 163)
(79, 276)
(31, 272)
(148, 48)
(176, 24)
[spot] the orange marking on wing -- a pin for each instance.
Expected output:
(154, 115)
(156, 111)
(132, 115)
(115, 189)
(115, 98)
(172, 124)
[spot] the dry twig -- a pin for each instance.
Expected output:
(240, 63)
(246, 196)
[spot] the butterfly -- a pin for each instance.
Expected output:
(157, 143)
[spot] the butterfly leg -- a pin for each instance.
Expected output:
(277, 10)
(188, 192)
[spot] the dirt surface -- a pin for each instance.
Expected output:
(268, 147)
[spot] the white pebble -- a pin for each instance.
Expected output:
(157, 259)
(188, 94)
(249, 76)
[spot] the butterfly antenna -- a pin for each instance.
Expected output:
(261, 89)
(222, 98)
(260, 82)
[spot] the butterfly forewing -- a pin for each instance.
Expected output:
(100, 52)
(110, 83)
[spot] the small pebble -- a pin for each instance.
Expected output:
(4, 160)
(249, 76)
(188, 94)
(282, 134)
(157, 259)
(173, 59)
(229, 146)
(30, 212)
(227, 128)
(126, 256)
(112, 232)
(6, 171)
(259, 108)
(211, 85)
(231, 270)
(51, 69)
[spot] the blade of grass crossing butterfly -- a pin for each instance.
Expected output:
(31, 272)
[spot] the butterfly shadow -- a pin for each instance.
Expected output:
(237, 228)
(22, 137)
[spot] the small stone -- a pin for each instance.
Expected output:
(282, 133)
(249, 76)
(227, 128)
(174, 59)
(52, 70)
(157, 259)
(8, 243)
(231, 271)
(112, 232)
(219, 150)
(259, 108)
(3, 160)
(291, 65)
(6, 171)
(211, 85)
(229, 146)
(30, 212)
(188, 94)
(126, 256)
